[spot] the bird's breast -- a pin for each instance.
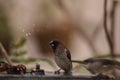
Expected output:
(63, 62)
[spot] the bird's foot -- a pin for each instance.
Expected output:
(57, 72)
(68, 73)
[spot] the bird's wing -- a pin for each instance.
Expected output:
(68, 54)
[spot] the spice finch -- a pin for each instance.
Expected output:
(100, 66)
(62, 56)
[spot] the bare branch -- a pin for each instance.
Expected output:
(4, 53)
(105, 26)
(113, 28)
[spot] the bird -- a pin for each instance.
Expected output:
(99, 66)
(62, 56)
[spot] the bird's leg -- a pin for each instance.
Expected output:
(58, 71)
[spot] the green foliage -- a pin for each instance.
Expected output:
(18, 55)
(19, 44)
(23, 60)
(18, 52)
(17, 49)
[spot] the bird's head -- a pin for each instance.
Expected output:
(54, 44)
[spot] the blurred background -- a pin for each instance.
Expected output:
(27, 26)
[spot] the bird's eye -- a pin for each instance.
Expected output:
(52, 45)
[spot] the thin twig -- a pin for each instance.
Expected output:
(79, 30)
(113, 28)
(4, 53)
(113, 31)
(105, 26)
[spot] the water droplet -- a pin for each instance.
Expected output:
(26, 34)
(29, 34)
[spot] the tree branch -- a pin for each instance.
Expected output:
(105, 26)
(4, 53)
(113, 28)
